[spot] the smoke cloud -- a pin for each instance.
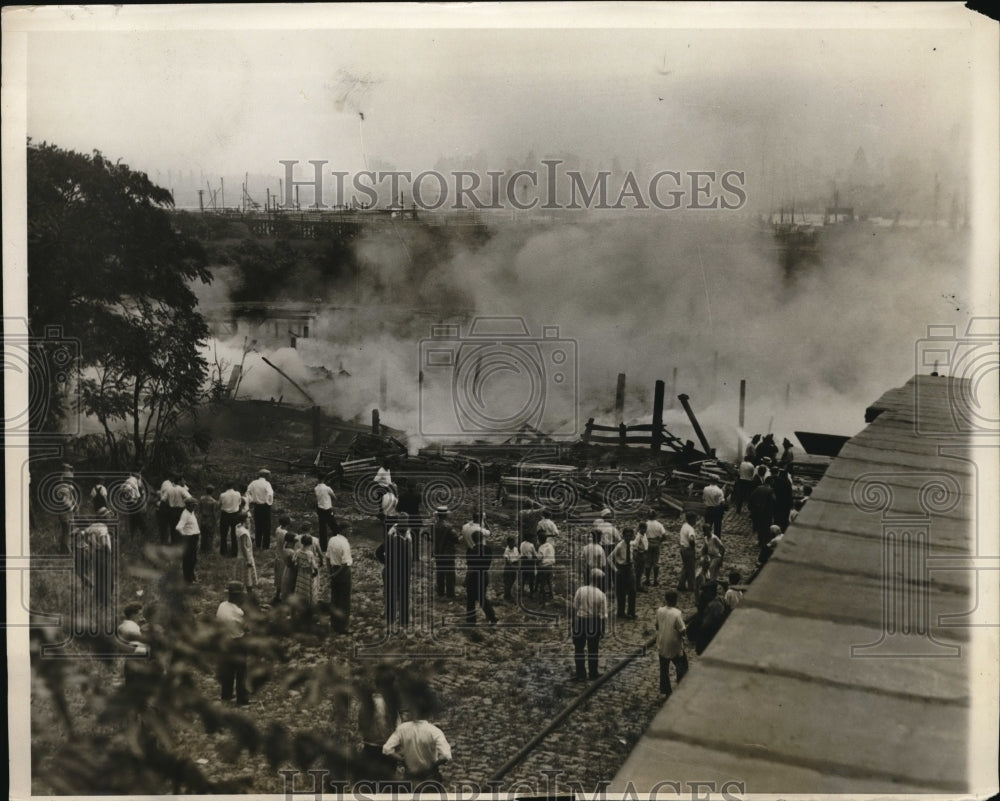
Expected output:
(644, 295)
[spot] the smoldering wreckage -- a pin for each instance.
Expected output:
(629, 469)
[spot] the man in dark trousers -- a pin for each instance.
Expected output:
(623, 561)
(761, 503)
(590, 615)
(338, 562)
(409, 505)
(260, 494)
(396, 553)
(477, 577)
(445, 551)
(784, 498)
(233, 659)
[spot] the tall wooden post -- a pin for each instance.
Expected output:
(743, 400)
(657, 437)
(620, 398)
(694, 423)
(376, 426)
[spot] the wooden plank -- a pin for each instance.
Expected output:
(859, 452)
(839, 658)
(820, 516)
(655, 763)
(823, 654)
(802, 590)
(829, 728)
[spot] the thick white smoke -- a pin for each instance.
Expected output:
(645, 295)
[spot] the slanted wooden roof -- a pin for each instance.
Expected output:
(847, 667)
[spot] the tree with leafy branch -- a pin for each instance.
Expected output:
(107, 267)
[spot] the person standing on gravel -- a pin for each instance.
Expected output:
(547, 525)
(208, 509)
(338, 562)
(233, 660)
(590, 615)
(260, 495)
(529, 555)
(715, 506)
(762, 515)
(610, 536)
(230, 506)
(478, 559)
(670, 641)
(622, 560)
(445, 550)
(546, 567)
(655, 536)
(592, 557)
(511, 561)
(396, 553)
(177, 497)
(420, 746)
(686, 541)
(325, 497)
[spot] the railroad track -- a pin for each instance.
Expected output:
(592, 689)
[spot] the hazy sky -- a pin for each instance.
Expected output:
(789, 92)
(229, 101)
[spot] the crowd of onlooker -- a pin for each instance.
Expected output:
(603, 567)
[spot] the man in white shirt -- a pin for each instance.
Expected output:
(590, 615)
(610, 536)
(686, 541)
(230, 514)
(640, 551)
(338, 561)
(469, 531)
(233, 660)
(656, 534)
(714, 499)
(547, 525)
(743, 485)
(389, 502)
(188, 530)
(324, 511)
(592, 557)
(546, 567)
(421, 747)
(382, 475)
(176, 497)
(623, 561)
(260, 495)
(670, 641)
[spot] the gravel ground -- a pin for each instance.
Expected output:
(498, 686)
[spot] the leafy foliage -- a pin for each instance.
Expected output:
(138, 745)
(107, 266)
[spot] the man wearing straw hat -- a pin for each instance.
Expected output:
(445, 551)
